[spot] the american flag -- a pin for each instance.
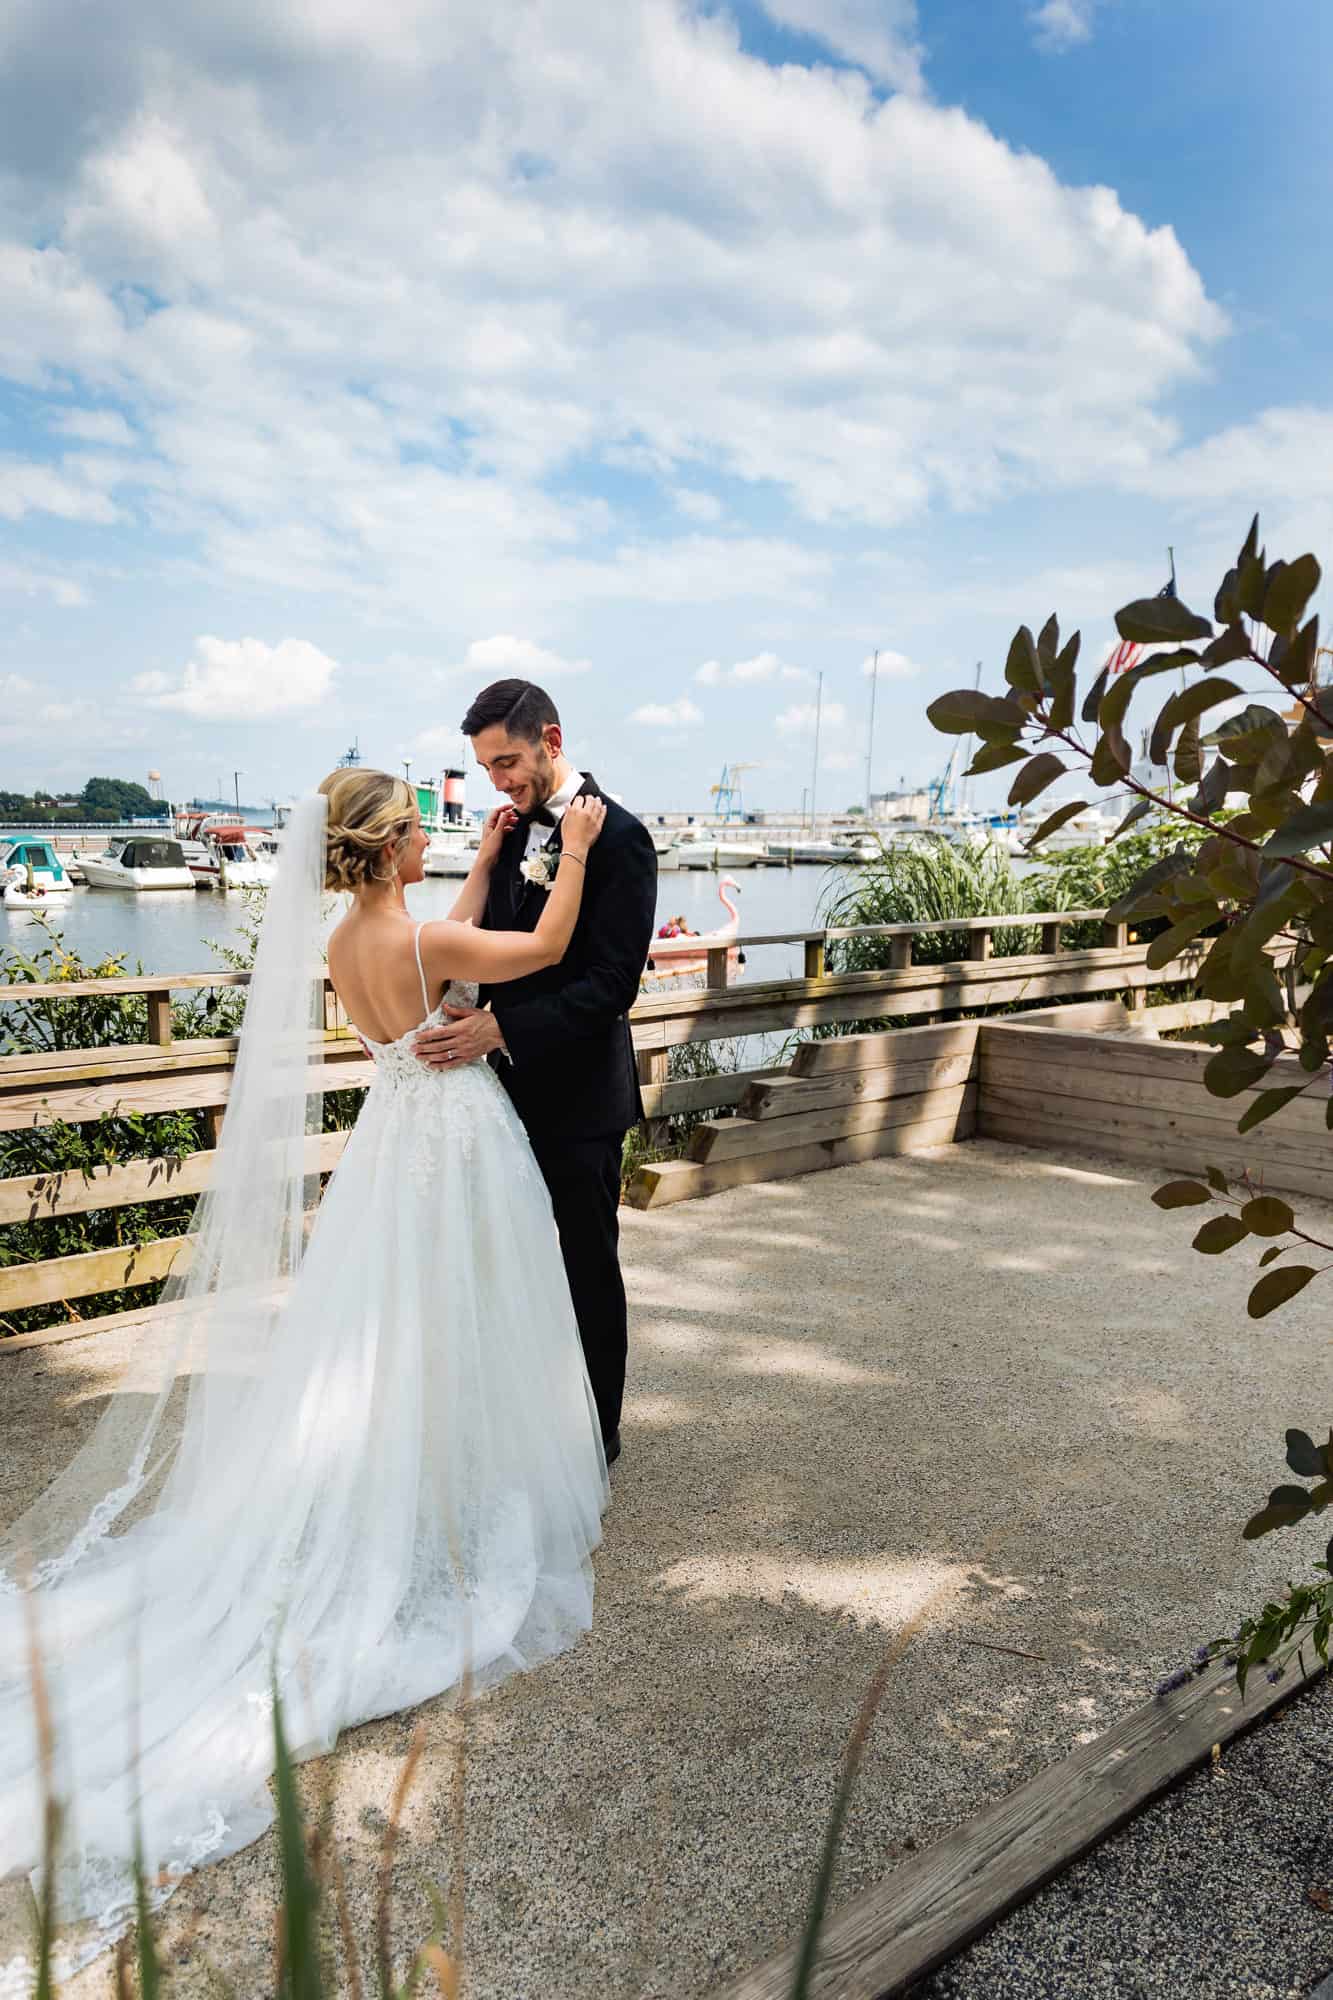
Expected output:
(1130, 651)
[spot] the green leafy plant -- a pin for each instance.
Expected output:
(44, 1153)
(926, 880)
(1243, 876)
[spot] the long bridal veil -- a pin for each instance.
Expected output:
(166, 1435)
(138, 1557)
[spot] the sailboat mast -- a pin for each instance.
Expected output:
(960, 803)
(814, 769)
(870, 738)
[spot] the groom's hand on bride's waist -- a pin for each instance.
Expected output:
(466, 1035)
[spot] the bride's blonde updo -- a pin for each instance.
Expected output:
(368, 811)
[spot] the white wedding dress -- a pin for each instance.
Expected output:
(404, 1479)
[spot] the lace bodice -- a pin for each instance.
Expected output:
(396, 1059)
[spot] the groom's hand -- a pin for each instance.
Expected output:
(469, 1034)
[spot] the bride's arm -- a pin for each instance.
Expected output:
(455, 950)
(471, 904)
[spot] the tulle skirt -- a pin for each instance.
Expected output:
(410, 1485)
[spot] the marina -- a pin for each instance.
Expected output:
(182, 927)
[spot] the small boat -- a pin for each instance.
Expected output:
(687, 951)
(36, 860)
(139, 862)
(697, 847)
(858, 848)
(452, 850)
(226, 854)
(668, 853)
(840, 850)
(23, 892)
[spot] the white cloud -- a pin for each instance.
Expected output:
(889, 666)
(22, 580)
(1058, 25)
(29, 488)
(668, 714)
(367, 365)
(439, 741)
(507, 657)
(392, 358)
(762, 667)
(244, 680)
(879, 35)
(102, 427)
(697, 506)
(1282, 454)
(799, 719)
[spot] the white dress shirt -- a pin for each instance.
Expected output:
(539, 835)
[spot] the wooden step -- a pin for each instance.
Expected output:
(683, 1180)
(735, 1138)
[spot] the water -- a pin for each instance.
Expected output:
(171, 930)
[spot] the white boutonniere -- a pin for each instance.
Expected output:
(540, 868)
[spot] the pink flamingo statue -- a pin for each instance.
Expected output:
(668, 956)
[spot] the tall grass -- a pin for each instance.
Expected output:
(927, 880)
(314, 1909)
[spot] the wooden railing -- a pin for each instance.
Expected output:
(165, 1074)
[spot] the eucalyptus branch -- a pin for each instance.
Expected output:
(1305, 701)
(1225, 832)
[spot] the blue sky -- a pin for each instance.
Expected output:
(673, 354)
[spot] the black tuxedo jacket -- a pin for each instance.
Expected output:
(571, 1068)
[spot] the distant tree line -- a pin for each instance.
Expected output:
(103, 800)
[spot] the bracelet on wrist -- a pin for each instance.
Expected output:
(576, 857)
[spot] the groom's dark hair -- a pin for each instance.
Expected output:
(521, 707)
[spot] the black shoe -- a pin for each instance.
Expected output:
(611, 1446)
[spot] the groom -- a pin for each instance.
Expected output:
(559, 1038)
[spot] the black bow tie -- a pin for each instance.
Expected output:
(543, 816)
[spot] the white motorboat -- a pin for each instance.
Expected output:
(668, 854)
(36, 861)
(698, 847)
(858, 848)
(138, 862)
(227, 854)
(840, 850)
(452, 850)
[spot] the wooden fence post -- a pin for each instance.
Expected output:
(900, 953)
(978, 944)
(816, 966)
(159, 1018)
(1115, 936)
(653, 1070)
(716, 975)
(1050, 938)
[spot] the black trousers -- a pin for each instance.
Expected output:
(583, 1176)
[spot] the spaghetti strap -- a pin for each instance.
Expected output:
(425, 990)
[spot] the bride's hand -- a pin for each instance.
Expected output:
(583, 821)
(498, 823)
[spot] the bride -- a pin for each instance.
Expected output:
(365, 1457)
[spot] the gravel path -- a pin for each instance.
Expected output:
(984, 1392)
(1222, 1890)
